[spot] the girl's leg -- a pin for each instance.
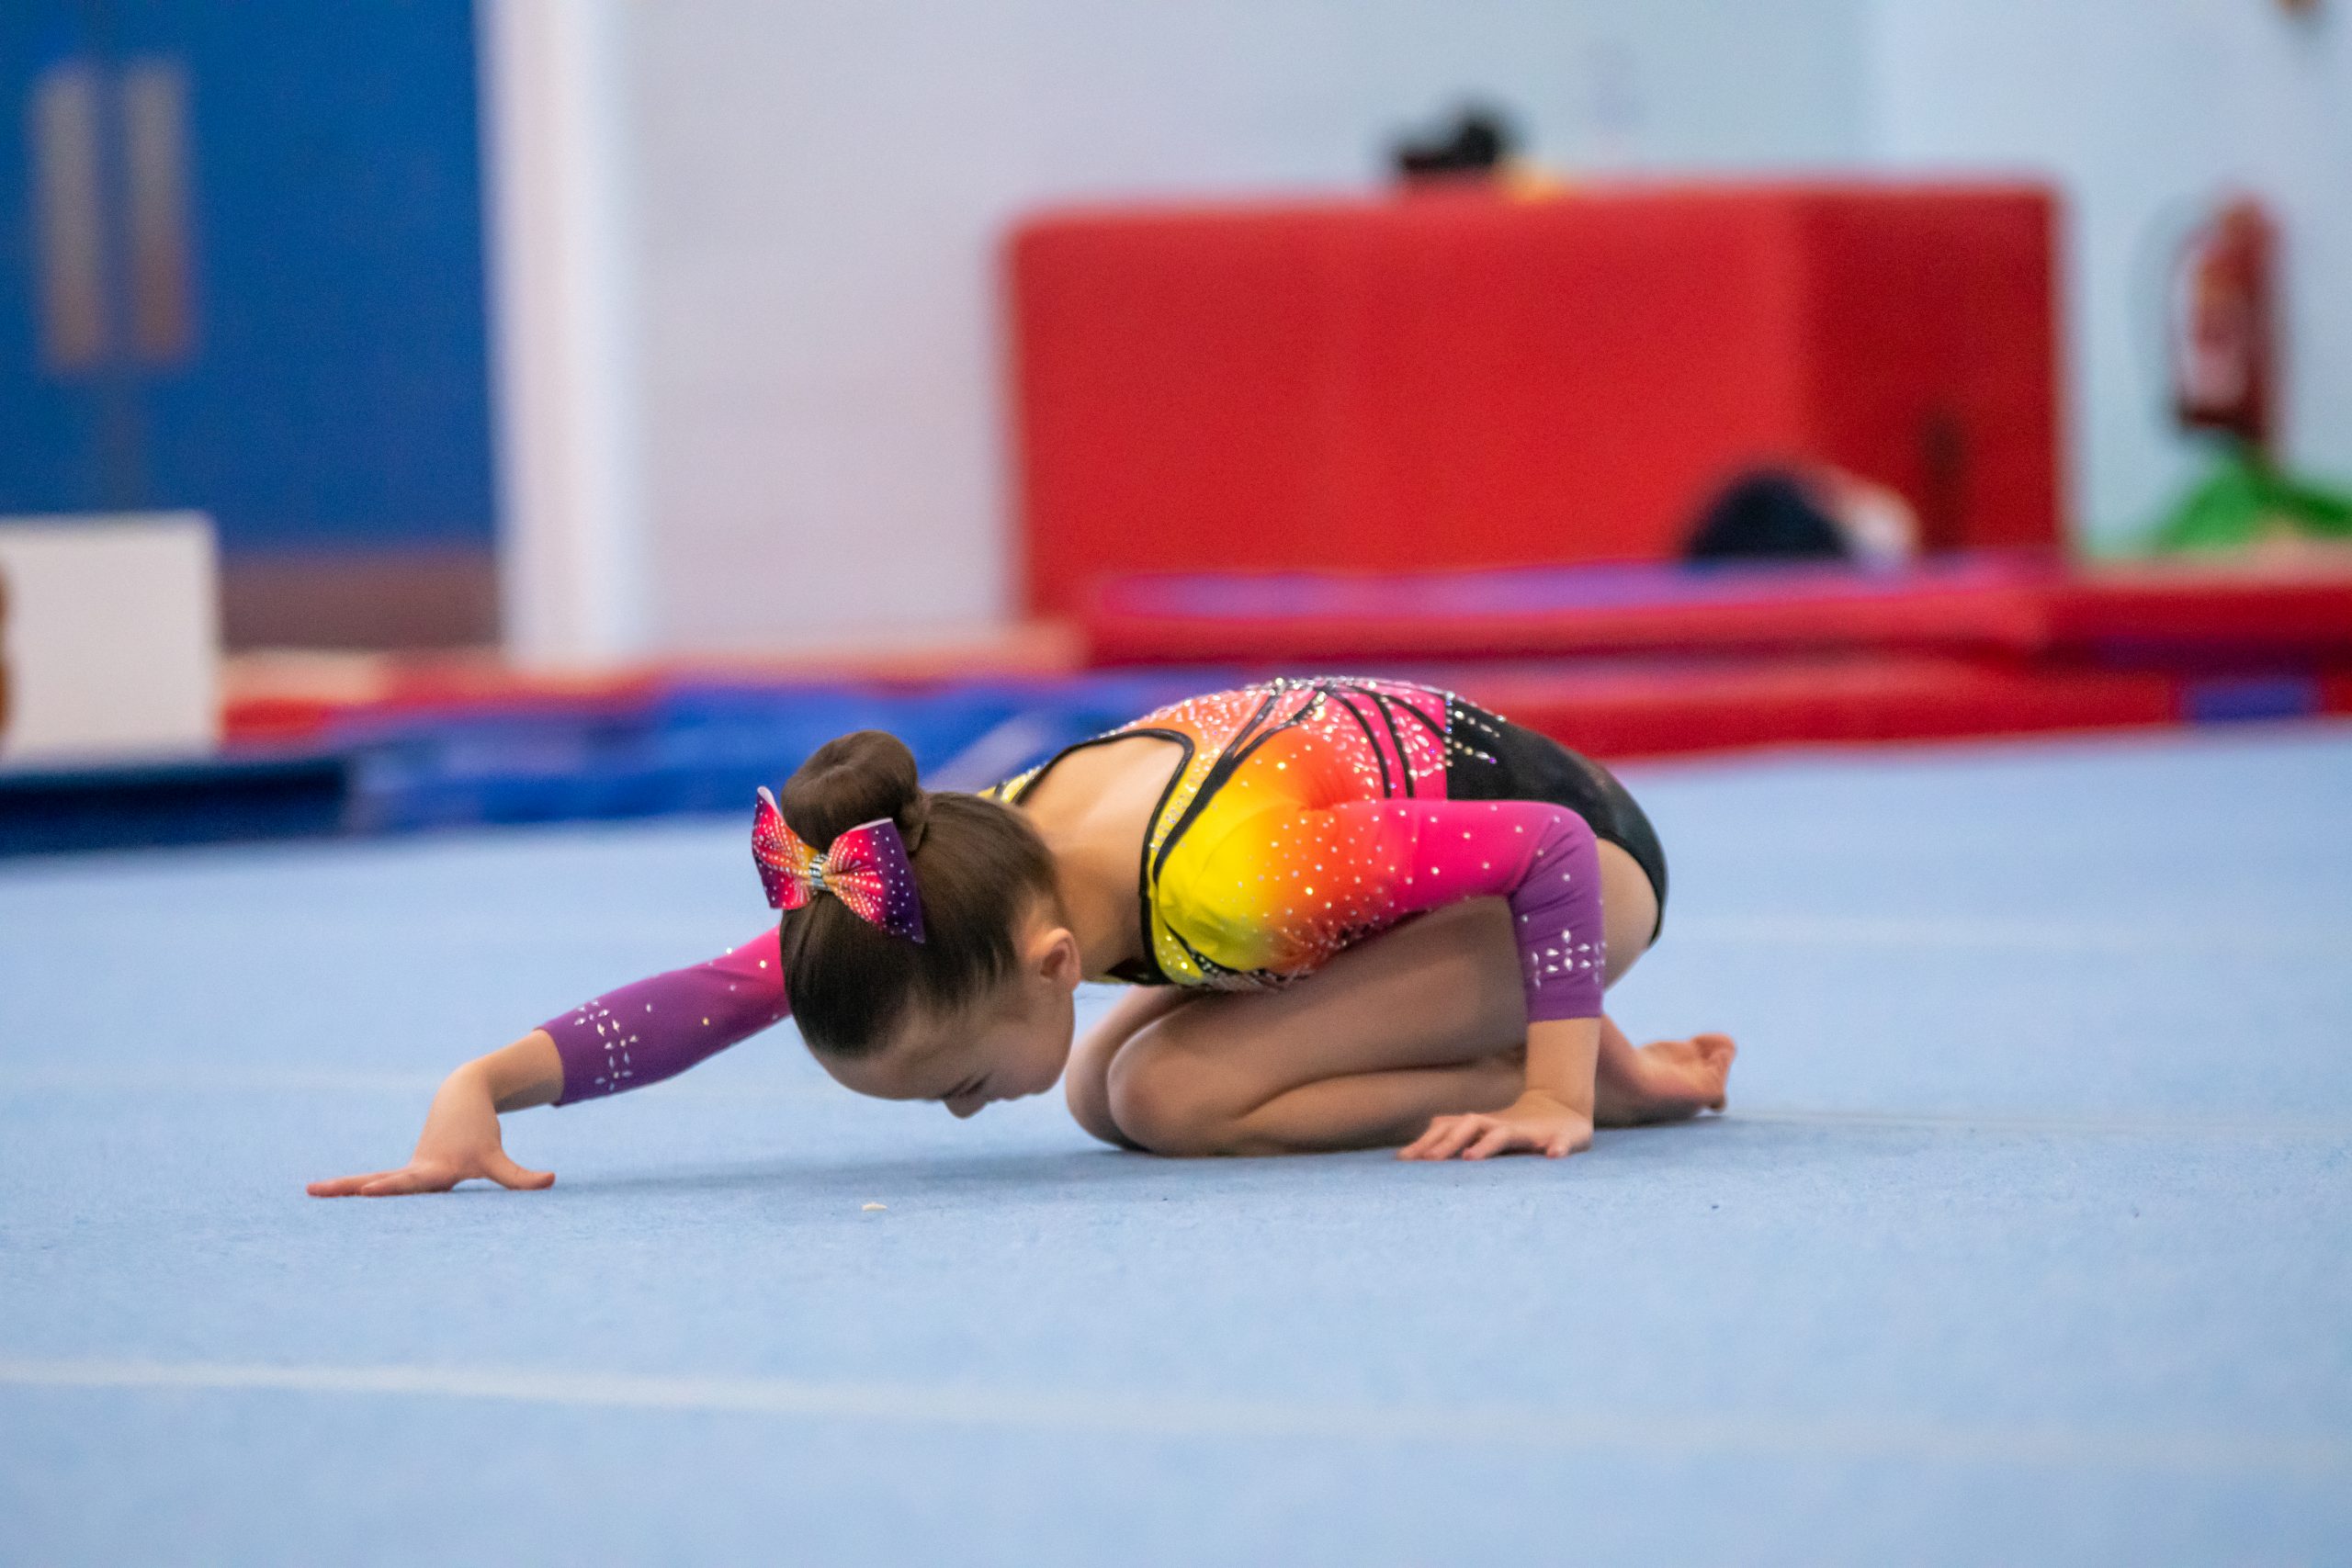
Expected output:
(1489, 1083)
(1668, 1081)
(1631, 915)
(1086, 1081)
(1671, 1081)
(1388, 1033)
(1423, 1021)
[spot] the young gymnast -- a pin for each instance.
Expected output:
(1359, 914)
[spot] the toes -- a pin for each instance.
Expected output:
(1720, 1051)
(1677, 1053)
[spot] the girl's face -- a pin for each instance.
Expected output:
(1010, 1044)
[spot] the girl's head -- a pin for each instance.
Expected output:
(980, 1010)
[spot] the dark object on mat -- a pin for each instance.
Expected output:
(1476, 142)
(1768, 513)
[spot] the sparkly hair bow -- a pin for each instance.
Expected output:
(866, 868)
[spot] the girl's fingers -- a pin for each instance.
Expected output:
(345, 1186)
(513, 1177)
(400, 1183)
(1458, 1136)
(1480, 1137)
(1424, 1146)
(1419, 1147)
(1500, 1138)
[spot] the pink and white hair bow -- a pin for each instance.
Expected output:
(865, 868)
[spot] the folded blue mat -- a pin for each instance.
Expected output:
(692, 746)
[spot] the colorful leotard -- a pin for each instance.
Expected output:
(1304, 816)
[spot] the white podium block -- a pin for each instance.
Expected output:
(109, 637)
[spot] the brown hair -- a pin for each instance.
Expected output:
(977, 865)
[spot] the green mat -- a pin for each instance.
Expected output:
(2246, 500)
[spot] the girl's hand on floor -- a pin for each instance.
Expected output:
(460, 1141)
(1535, 1122)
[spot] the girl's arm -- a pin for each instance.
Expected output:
(1287, 888)
(1556, 915)
(1361, 865)
(625, 1039)
(1553, 1114)
(658, 1028)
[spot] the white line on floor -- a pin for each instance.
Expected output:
(2036, 936)
(2325, 1129)
(176, 1079)
(1154, 1417)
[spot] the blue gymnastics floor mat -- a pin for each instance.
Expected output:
(2024, 1240)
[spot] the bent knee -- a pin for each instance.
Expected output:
(1086, 1087)
(1156, 1104)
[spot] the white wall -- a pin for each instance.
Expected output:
(822, 188)
(557, 147)
(2143, 112)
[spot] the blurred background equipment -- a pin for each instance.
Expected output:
(2224, 330)
(1474, 143)
(1812, 512)
(557, 374)
(2225, 338)
(109, 639)
(1476, 381)
(7, 706)
(255, 286)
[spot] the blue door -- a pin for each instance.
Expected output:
(242, 272)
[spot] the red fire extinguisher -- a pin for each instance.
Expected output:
(2224, 319)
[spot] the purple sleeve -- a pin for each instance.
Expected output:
(658, 1028)
(1563, 948)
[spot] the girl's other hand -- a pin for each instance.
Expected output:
(1535, 1124)
(460, 1141)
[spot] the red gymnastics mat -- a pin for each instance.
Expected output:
(2173, 614)
(1469, 379)
(1620, 711)
(287, 698)
(1617, 661)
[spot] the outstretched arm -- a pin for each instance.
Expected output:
(625, 1039)
(658, 1028)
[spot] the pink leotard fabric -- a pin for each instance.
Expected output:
(1381, 861)
(658, 1028)
(1305, 816)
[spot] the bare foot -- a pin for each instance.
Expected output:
(1669, 1080)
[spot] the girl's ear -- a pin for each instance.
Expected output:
(1053, 953)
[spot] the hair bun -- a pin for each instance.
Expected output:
(855, 779)
(913, 819)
